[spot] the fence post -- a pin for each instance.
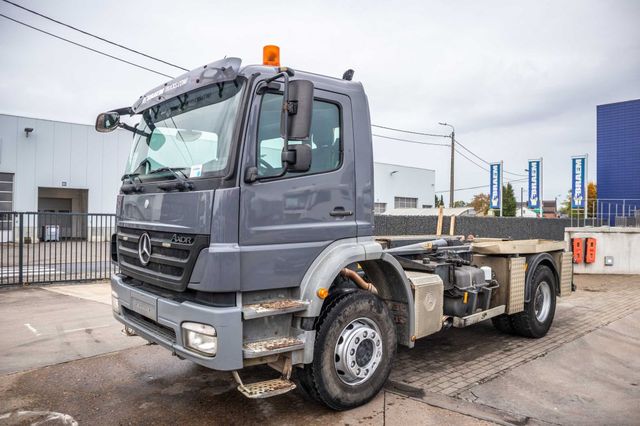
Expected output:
(20, 247)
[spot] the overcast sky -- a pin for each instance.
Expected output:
(518, 80)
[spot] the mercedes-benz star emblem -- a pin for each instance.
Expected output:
(144, 249)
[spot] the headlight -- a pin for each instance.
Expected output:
(201, 338)
(115, 303)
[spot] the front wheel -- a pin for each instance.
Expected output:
(354, 348)
(538, 313)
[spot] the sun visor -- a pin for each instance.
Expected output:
(216, 72)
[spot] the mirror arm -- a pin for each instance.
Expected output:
(123, 111)
(134, 130)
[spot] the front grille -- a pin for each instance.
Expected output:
(170, 265)
(149, 325)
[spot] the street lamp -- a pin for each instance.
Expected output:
(453, 150)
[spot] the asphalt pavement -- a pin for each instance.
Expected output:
(64, 360)
(43, 327)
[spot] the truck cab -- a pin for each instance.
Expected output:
(245, 236)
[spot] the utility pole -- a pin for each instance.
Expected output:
(453, 155)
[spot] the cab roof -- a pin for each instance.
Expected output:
(229, 69)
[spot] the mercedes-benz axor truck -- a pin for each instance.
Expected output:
(245, 236)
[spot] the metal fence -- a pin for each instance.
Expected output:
(47, 247)
(608, 212)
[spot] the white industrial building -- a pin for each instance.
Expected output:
(52, 166)
(402, 187)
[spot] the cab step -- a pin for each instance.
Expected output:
(267, 388)
(271, 346)
(273, 307)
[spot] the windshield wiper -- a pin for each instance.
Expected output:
(130, 177)
(183, 183)
(130, 187)
(174, 171)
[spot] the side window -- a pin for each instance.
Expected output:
(325, 137)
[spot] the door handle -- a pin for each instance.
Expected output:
(341, 212)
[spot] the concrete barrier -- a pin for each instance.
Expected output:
(622, 245)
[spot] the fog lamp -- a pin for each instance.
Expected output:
(115, 303)
(201, 338)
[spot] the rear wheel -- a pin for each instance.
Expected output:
(355, 345)
(538, 313)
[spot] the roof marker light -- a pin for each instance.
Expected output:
(271, 55)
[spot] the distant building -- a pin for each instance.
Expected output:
(549, 208)
(618, 155)
(402, 187)
(523, 210)
(53, 166)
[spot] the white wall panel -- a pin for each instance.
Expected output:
(57, 152)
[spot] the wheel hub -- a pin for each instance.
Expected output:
(542, 301)
(358, 351)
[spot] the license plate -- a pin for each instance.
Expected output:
(143, 308)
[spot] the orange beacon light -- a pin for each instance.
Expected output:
(271, 55)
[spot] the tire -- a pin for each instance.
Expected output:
(503, 324)
(331, 379)
(538, 313)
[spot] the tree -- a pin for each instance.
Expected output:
(459, 203)
(566, 209)
(441, 201)
(480, 203)
(508, 201)
(592, 200)
(436, 203)
(592, 203)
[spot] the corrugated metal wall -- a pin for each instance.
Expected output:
(618, 150)
(62, 155)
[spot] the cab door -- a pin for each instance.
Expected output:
(286, 221)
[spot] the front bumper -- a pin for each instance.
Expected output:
(159, 320)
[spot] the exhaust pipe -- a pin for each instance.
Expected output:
(353, 276)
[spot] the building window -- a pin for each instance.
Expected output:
(405, 203)
(6, 200)
(379, 208)
(427, 206)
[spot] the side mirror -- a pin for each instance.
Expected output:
(107, 122)
(299, 109)
(298, 158)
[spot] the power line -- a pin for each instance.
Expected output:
(94, 36)
(441, 136)
(410, 131)
(464, 156)
(483, 160)
(85, 47)
(480, 186)
(472, 153)
(410, 141)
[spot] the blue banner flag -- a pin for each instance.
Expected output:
(578, 180)
(495, 187)
(535, 178)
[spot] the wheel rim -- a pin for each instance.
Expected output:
(358, 351)
(542, 301)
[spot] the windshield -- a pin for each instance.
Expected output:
(190, 134)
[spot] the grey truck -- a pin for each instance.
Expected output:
(245, 236)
